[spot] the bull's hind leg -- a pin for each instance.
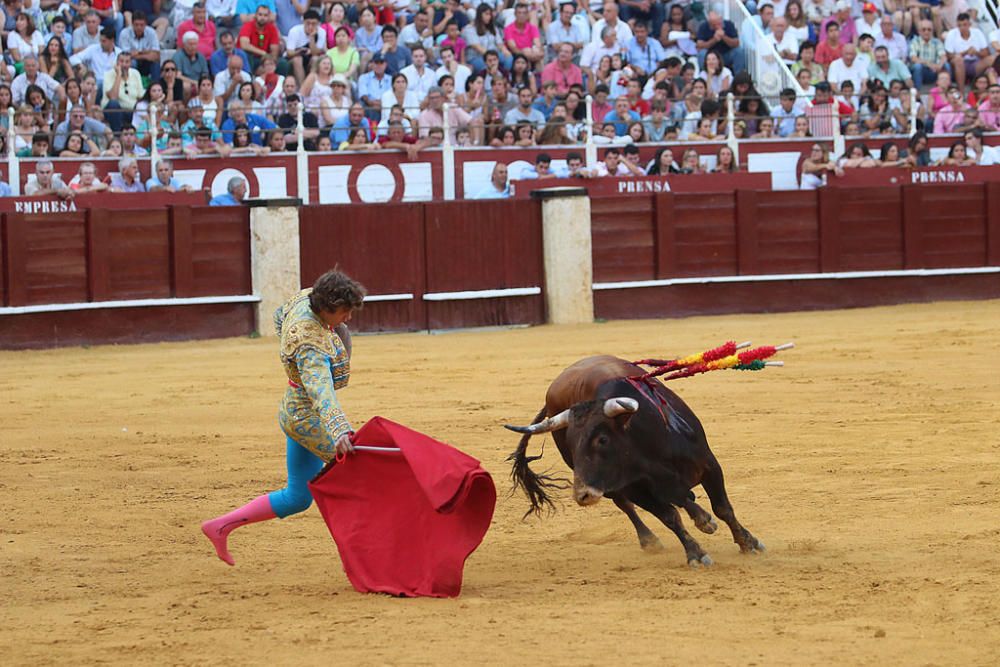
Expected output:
(647, 540)
(715, 486)
(703, 521)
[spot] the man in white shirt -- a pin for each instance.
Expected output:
(985, 155)
(867, 23)
(593, 52)
(228, 81)
(892, 40)
(99, 58)
(612, 164)
(784, 42)
(418, 32)
(304, 42)
(623, 33)
(451, 66)
(564, 31)
(498, 188)
(967, 51)
(847, 67)
(33, 77)
(89, 33)
(419, 77)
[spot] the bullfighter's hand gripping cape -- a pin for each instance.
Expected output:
(407, 517)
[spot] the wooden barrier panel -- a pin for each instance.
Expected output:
(46, 258)
(870, 229)
(623, 238)
(3, 260)
(483, 245)
(705, 234)
(128, 257)
(787, 232)
(945, 225)
(382, 246)
(219, 241)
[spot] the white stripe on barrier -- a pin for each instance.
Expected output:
(371, 298)
(772, 277)
(482, 294)
(130, 303)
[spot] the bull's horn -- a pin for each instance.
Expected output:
(553, 423)
(619, 406)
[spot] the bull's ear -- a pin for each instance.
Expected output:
(624, 421)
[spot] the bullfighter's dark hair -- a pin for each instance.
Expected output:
(335, 289)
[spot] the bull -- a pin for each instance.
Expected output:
(634, 442)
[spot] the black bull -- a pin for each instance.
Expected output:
(636, 443)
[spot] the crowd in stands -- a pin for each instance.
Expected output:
(90, 78)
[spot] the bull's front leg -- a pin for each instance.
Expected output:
(671, 518)
(647, 540)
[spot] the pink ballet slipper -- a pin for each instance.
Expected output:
(217, 530)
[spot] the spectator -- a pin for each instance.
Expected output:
(621, 116)
(396, 55)
(57, 29)
(238, 115)
(939, 93)
(87, 34)
(86, 180)
(857, 157)
(31, 76)
(574, 165)
(54, 61)
(287, 14)
(951, 116)
(419, 77)
(498, 187)
(847, 68)
(418, 33)
(887, 69)
(892, 40)
(725, 161)
(967, 51)
(927, 54)
(622, 30)
(39, 146)
(656, 125)
(807, 63)
(122, 89)
(79, 146)
(521, 75)
(99, 58)
(343, 56)
(129, 138)
(305, 42)
(554, 133)
(525, 111)
(164, 180)
(785, 113)
(399, 95)
(127, 179)
(191, 65)
(563, 31)
(227, 47)
(663, 163)
(644, 54)
(989, 110)
(866, 49)
(373, 85)
(259, 36)
(784, 41)
(25, 38)
(451, 66)
(957, 157)
(522, 38)
(561, 71)
(817, 167)
(141, 41)
(983, 155)
(594, 54)
(79, 122)
(848, 32)
(236, 190)
(433, 115)
(630, 159)
(223, 14)
(246, 9)
(867, 23)
(288, 122)
(368, 36)
(396, 137)
(830, 48)
(612, 164)
(547, 102)
(720, 36)
(355, 118)
(47, 182)
(542, 170)
(201, 26)
(227, 82)
(206, 145)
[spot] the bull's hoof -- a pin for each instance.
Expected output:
(705, 560)
(707, 526)
(652, 545)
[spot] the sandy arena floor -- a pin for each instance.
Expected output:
(869, 465)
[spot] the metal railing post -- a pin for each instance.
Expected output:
(590, 152)
(13, 164)
(447, 155)
(913, 111)
(731, 140)
(301, 159)
(154, 152)
(839, 143)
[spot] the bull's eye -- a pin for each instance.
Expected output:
(602, 441)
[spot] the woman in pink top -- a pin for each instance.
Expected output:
(938, 92)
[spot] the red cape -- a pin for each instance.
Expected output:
(404, 522)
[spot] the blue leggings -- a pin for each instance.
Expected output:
(303, 465)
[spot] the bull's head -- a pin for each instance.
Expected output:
(597, 434)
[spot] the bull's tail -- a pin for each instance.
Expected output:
(536, 487)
